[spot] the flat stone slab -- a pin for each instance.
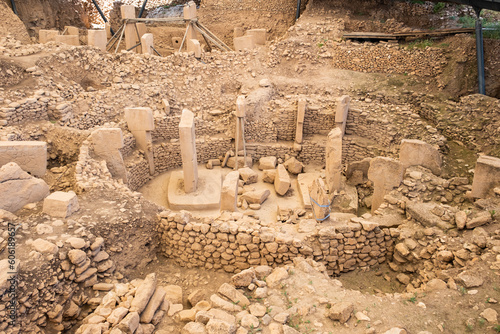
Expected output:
(205, 197)
(31, 156)
(305, 180)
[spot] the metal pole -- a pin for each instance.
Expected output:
(102, 15)
(14, 9)
(480, 53)
(298, 10)
(142, 8)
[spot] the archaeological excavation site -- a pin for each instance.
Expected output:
(247, 166)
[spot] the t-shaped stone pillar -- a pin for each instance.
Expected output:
(140, 122)
(386, 174)
(343, 103)
(240, 128)
(107, 143)
(188, 151)
(128, 12)
(299, 129)
(334, 161)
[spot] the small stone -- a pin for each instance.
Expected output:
(490, 315)
(341, 311)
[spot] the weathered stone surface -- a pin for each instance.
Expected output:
(174, 294)
(249, 321)
(490, 315)
(186, 315)
(421, 212)
(293, 165)
(130, 323)
(143, 294)
(486, 176)
(77, 257)
(333, 160)
(117, 315)
(30, 156)
(269, 175)
(153, 305)
(282, 180)
(415, 152)
(276, 276)
(229, 192)
(230, 292)
(319, 199)
(460, 219)
(215, 326)
(341, 311)
(357, 171)
(224, 304)
(18, 188)
(193, 328)
(196, 296)
(267, 163)
(248, 175)
(61, 204)
(468, 280)
(385, 173)
(481, 219)
(256, 196)
(219, 314)
(45, 247)
(342, 111)
(244, 278)
(396, 330)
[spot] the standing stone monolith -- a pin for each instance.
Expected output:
(140, 122)
(299, 128)
(128, 12)
(229, 192)
(319, 199)
(107, 143)
(343, 103)
(334, 161)
(386, 174)
(414, 152)
(188, 151)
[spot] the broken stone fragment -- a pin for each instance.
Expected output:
(282, 180)
(294, 166)
(18, 188)
(256, 197)
(248, 175)
(341, 312)
(267, 163)
(143, 294)
(244, 278)
(45, 247)
(153, 305)
(230, 292)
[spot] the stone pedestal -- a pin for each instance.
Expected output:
(188, 151)
(259, 36)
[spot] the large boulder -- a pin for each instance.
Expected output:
(18, 188)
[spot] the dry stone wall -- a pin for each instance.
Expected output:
(234, 243)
